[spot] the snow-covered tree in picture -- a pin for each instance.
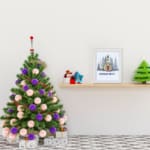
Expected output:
(115, 66)
(103, 63)
(98, 67)
(111, 61)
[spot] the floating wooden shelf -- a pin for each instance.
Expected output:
(101, 85)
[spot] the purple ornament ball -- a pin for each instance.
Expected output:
(24, 71)
(25, 88)
(52, 130)
(43, 74)
(34, 81)
(32, 107)
(13, 130)
(10, 110)
(39, 117)
(56, 116)
(42, 91)
(18, 81)
(49, 94)
(31, 136)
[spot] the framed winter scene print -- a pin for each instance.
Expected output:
(108, 65)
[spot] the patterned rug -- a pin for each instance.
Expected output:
(101, 142)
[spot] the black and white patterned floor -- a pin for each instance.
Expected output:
(102, 142)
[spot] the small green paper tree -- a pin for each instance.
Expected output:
(142, 73)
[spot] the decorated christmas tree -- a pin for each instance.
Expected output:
(33, 108)
(142, 73)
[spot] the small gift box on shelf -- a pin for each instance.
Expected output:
(30, 144)
(61, 139)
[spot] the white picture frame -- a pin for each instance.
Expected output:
(108, 65)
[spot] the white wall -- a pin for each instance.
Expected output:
(66, 33)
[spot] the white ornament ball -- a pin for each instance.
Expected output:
(37, 100)
(20, 107)
(30, 92)
(18, 98)
(43, 107)
(42, 133)
(62, 121)
(20, 114)
(54, 99)
(12, 121)
(23, 83)
(31, 124)
(48, 118)
(5, 132)
(35, 71)
(23, 132)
